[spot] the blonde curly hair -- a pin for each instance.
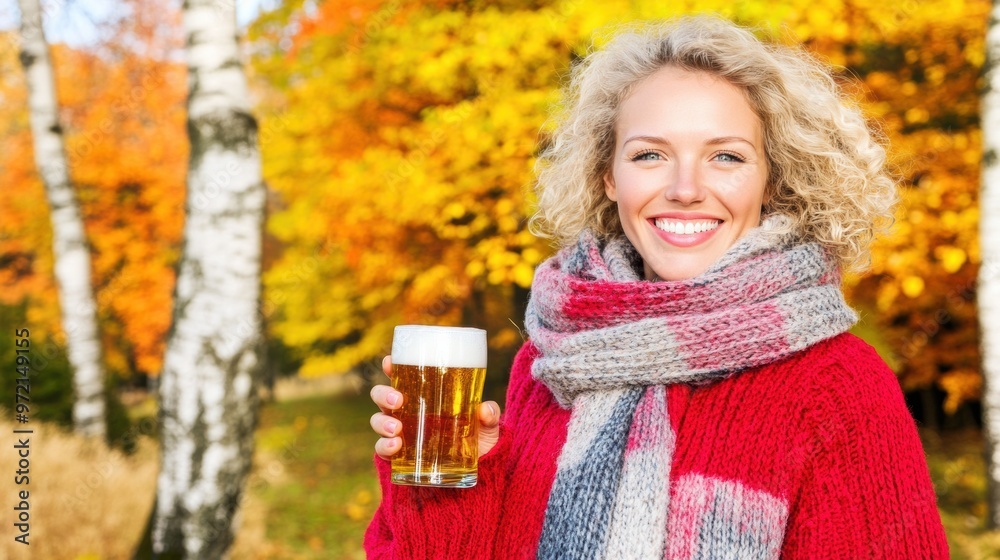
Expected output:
(826, 168)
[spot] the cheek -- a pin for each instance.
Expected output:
(634, 187)
(742, 195)
(746, 208)
(731, 184)
(630, 202)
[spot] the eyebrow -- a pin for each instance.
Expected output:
(711, 142)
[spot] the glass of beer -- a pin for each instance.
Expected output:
(440, 373)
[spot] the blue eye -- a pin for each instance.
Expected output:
(641, 156)
(729, 157)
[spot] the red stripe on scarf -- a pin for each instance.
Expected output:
(589, 304)
(702, 337)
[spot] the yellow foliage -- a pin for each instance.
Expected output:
(952, 258)
(913, 286)
(887, 294)
(414, 176)
(523, 274)
(960, 385)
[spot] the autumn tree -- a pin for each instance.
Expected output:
(208, 390)
(405, 193)
(399, 139)
(919, 69)
(122, 113)
(70, 246)
(128, 150)
(408, 202)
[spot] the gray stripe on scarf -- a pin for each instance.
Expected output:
(727, 532)
(800, 316)
(582, 496)
(638, 532)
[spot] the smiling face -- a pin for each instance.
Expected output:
(688, 172)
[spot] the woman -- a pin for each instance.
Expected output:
(688, 389)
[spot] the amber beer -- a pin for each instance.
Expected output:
(440, 373)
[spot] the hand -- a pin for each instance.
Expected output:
(389, 399)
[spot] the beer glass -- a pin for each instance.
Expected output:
(440, 373)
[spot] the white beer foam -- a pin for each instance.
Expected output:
(424, 345)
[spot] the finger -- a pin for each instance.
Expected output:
(489, 428)
(387, 365)
(489, 414)
(385, 425)
(387, 447)
(386, 398)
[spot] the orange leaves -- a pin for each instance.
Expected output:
(127, 150)
(25, 234)
(128, 153)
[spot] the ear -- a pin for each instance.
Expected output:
(609, 186)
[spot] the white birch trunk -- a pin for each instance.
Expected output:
(208, 387)
(70, 248)
(988, 292)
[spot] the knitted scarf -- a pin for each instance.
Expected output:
(609, 342)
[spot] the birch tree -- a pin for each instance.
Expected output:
(208, 389)
(988, 293)
(71, 252)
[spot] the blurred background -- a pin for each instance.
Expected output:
(397, 142)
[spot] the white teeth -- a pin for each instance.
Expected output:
(686, 227)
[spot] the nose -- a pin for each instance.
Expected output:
(684, 184)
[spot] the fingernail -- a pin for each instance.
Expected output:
(392, 399)
(390, 426)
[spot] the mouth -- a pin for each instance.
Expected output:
(685, 227)
(685, 233)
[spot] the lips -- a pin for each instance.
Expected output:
(685, 232)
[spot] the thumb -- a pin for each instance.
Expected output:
(489, 426)
(489, 416)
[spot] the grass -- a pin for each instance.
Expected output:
(313, 489)
(314, 475)
(86, 501)
(958, 469)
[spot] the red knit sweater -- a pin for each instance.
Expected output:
(820, 443)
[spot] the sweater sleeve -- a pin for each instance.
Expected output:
(866, 490)
(445, 523)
